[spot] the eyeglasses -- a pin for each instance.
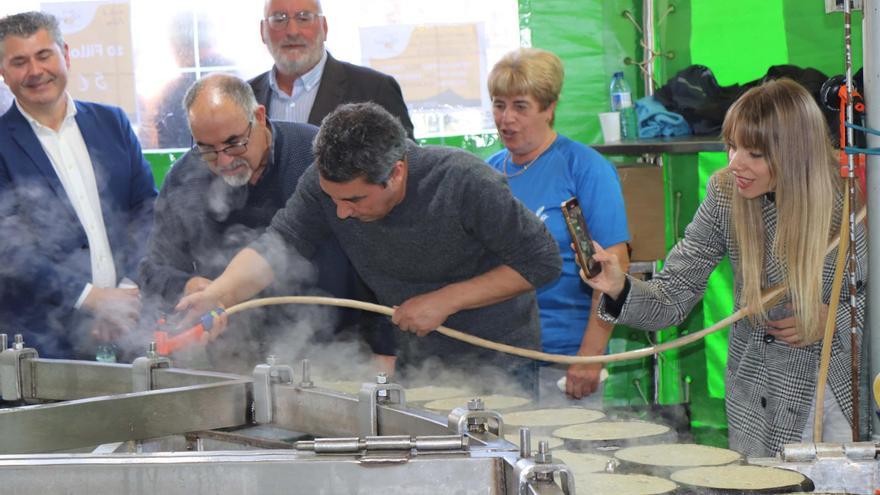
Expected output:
(234, 149)
(280, 20)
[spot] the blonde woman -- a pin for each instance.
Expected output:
(773, 210)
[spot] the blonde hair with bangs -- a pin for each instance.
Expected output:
(781, 120)
(528, 71)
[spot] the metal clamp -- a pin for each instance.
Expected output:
(541, 470)
(475, 419)
(12, 369)
(265, 376)
(142, 369)
(370, 396)
(811, 452)
(530, 473)
(306, 381)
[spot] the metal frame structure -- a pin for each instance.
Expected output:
(871, 71)
(93, 428)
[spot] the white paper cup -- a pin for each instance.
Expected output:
(610, 122)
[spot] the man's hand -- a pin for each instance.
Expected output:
(582, 380)
(195, 284)
(198, 304)
(422, 314)
(116, 311)
(104, 331)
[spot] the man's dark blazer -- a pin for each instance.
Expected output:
(44, 251)
(341, 83)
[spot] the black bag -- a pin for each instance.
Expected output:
(695, 94)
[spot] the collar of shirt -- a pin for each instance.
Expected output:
(37, 126)
(305, 82)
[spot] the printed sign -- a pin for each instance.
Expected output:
(440, 69)
(98, 35)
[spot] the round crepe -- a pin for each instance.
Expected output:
(552, 442)
(431, 392)
(490, 402)
(610, 430)
(552, 417)
(877, 390)
(739, 477)
(621, 484)
(677, 455)
(581, 462)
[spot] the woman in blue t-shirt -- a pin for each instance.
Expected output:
(544, 169)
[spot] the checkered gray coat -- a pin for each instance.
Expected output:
(770, 386)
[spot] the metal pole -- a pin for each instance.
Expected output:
(871, 57)
(851, 184)
(648, 45)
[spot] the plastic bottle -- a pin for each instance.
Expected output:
(621, 101)
(105, 353)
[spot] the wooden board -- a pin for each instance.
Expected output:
(643, 195)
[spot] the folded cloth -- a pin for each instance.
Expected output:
(656, 121)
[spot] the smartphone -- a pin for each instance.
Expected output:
(583, 244)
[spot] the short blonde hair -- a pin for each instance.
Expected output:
(528, 71)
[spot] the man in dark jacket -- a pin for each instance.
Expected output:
(306, 82)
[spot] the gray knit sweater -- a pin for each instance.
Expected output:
(458, 220)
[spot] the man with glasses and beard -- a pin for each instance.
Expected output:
(306, 82)
(219, 197)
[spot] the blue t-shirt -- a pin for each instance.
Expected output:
(567, 169)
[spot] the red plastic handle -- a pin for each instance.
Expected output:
(166, 345)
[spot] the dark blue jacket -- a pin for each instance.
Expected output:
(44, 252)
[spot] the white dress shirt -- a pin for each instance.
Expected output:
(67, 151)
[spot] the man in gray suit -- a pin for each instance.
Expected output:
(306, 82)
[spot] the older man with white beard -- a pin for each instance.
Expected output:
(306, 82)
(220, 196)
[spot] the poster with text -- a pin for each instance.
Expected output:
(440, 69)
(101, 63)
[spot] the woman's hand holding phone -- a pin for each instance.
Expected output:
(610, 280)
